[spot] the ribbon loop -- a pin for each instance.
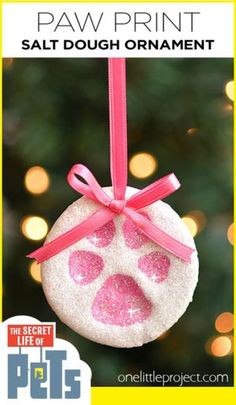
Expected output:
(92, 189)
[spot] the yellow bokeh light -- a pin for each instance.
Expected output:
(224, 322)
(230, 234)
(191, 223)
(34, 228)
(221, 346)
(36, 180)
(35, 271)
(192, 131)
(142, 165)
(229, 90)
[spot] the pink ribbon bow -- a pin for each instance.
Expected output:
(118, 166)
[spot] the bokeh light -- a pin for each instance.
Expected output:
(7, 63)
(142, 165)
(163, 335)
(34, 228)
(36, 180)
(232, 344)
(35, 271)
(229, 90)
(191, 223)
(195, 221)
(199, 218)
(228, 107)
(230, 234)
(224, 322)
(192, 131)
(221, 346)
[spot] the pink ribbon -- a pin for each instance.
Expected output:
(118, 167)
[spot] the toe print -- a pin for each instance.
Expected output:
(121, 302)
(85, 266)
(155, 265)
(134, 238)
(103, 236)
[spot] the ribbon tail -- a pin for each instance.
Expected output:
(154, 192)
(88, 226)
(160, 237)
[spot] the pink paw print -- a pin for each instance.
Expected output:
(120, 300)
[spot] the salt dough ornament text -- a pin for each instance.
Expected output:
(103, 44)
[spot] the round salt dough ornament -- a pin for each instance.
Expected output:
(116, 287)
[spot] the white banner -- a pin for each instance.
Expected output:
(199, 30)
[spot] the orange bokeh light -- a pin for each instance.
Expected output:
(221, 346)
(230, 234)
(7, 63)
(224, 322)
(192, 131)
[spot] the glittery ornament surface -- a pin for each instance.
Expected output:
(116, 287)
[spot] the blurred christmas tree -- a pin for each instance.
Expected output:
(180, 115)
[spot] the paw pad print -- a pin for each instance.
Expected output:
(120, 300)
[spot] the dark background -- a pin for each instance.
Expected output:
(56, 114)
